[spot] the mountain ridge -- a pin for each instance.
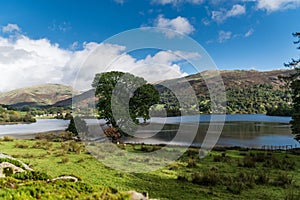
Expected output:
(61, 95)
(45, 94)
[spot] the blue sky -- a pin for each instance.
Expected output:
(238, 34)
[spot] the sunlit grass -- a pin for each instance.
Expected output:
(186, 178)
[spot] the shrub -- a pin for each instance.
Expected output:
(42, 144)
(249, 162)
(283, 179)
(112, 133)
(192, 153)
(221, 158)
(64, 160)
(246, 178)
(182, 178)
(284, 164)
(72, 146)
(8, 171)
(31, 175)
(7, 139)
(262, 178)
(191, 163)
(146, 148)
(217, 158)
(21, 146)
(173, 166)
(292, 193)
(12, 161)
(236, 188)
(210, 178)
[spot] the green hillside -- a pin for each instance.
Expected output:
(246, 91)
(47, 94)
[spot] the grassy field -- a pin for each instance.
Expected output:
(223, 174)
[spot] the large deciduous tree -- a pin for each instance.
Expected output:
(123, 98)
(294, 82)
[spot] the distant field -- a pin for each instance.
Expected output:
(223, 174)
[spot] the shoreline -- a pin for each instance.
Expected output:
(217, 147)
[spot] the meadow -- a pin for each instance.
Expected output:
(225, 173)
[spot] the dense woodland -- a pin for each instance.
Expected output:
(7, 116)
(253, 99)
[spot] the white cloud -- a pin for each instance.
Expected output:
(107, 57)
(274, 5)
(177, 2)
(249, 33)
(236, 10)
(224, 35)
(179, 24)
(26, 62)
(10, 28)
(223, 14)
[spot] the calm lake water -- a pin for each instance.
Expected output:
(239, 130)
(41, 125)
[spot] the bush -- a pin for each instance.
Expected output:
(210, 178)
(42, 144)
(236, 188)
(283, 179)
(112, 133)
(64, 160)
(191, 163)
(284, 164)
(72, 146)
(182, 178)
(247, 179)
(221, 158)
(31, 175)
(146, 148)
(262, 178)
(12, 161)
(21, 146)
(192, 153)
(7, 139)
(249, 162)
(8, 171)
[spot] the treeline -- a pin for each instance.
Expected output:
(11, 116)
(55, 111)
(250, 99)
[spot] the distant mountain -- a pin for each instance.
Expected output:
(85, 97)
(231, 78)
(41, 95)
(247, 91)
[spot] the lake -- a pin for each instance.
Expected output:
(239, 130)
(41, 125)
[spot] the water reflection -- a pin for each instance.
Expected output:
(248, 133)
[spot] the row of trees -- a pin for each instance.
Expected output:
(293, 82)
(7, 116)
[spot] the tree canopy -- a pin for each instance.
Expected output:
(123, 98)
(294, 82)
(77, 126)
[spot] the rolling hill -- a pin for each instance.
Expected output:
(41, 95)
(247, 91)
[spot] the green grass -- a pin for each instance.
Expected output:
(223, 174)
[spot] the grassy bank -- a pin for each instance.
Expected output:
(223, 174)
